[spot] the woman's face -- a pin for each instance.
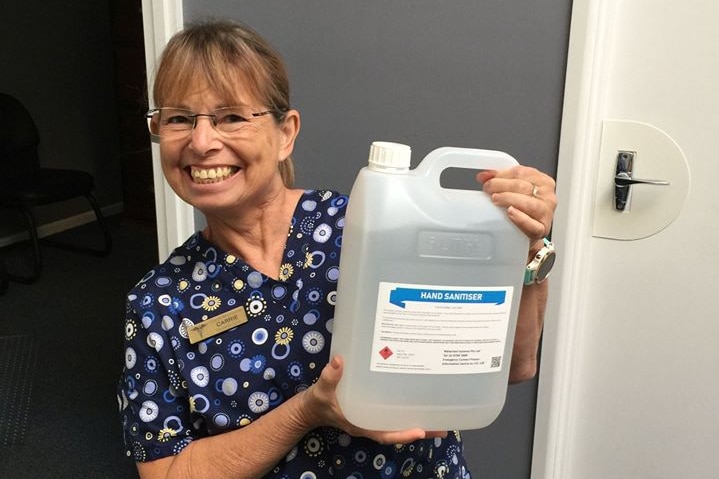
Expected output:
(220, 174)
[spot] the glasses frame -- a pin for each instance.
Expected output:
(211, 115)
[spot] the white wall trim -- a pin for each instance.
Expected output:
(576, 181)
(175, 218)
(63, 224)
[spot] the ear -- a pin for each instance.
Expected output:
(289, 129)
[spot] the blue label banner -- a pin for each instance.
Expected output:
(399, 296)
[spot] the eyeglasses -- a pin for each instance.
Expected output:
(179, 122)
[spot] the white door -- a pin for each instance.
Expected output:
(629, 383)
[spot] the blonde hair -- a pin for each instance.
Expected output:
(223, 54)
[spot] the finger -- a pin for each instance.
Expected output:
(520, 186)
(485, 175)
(531, 214)
(531, 227)
(332, 372)
(521, 172)
(540, 205)
(536, 207)
(527, 177)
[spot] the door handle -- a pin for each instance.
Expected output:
(623, 179)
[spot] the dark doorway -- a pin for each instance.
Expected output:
(130, 92)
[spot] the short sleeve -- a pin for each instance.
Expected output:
(154, 412)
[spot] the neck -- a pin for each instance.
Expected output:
(258, 234)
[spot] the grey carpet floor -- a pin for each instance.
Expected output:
(66, 335)
(17, 357)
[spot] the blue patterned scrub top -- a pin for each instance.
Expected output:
(173, 392)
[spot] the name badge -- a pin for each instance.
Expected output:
(216, 325)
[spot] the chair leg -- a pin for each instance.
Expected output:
(35, 243)
(103, 225)
(36, 255)
(102, 251)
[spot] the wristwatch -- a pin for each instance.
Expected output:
(539, 268)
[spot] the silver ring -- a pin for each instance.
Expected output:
(535, 190)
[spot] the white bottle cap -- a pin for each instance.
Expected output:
(389, 157)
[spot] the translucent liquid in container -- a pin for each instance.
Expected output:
(427, 300)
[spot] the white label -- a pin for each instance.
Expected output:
(422, 329)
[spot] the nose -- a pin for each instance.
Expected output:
(204, 136)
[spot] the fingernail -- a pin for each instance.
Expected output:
(335, 363)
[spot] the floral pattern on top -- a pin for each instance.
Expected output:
(173, 392)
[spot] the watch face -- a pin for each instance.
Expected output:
(546, 266)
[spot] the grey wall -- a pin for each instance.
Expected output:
(56, 57)
(469, 73)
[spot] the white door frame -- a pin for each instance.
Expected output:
(584, 107)
(175, 218)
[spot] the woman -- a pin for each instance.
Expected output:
(227, 369)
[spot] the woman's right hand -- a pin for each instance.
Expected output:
(321, 408)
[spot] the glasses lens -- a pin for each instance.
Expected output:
(233, 119)
(170, 121)
(173, 119)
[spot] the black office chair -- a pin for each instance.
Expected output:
(24, 184)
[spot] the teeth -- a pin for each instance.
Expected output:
(212, 175)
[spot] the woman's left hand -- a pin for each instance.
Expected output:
(529, 196)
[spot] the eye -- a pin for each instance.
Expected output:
(229, 118)
(175, 118)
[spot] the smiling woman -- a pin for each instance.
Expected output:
(257, 398)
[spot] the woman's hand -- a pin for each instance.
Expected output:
(529, 196)
(322, 409)
(530, 199)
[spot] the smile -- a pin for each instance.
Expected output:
(212, 175)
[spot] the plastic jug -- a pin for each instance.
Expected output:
(427, 299)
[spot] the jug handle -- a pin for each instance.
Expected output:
(440, 159)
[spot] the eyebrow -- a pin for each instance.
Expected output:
(182, 106)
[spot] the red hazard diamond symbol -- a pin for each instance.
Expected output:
(386, 352)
